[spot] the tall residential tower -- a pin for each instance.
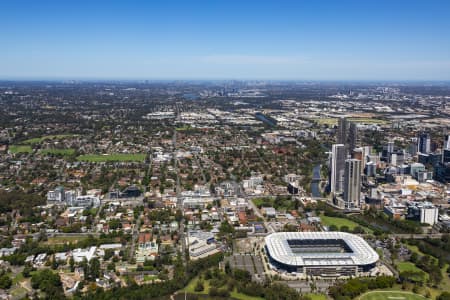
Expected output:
(338, 155)
(352, 183)
(424, 143)
(347, 134)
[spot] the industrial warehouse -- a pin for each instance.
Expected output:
(324, 254)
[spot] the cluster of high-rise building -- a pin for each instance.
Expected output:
(440, 161)
(345, 179)
(423, 212)
(351, 166)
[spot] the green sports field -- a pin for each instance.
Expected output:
(391, 295)
(20, 149)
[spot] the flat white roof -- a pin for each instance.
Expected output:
(110, 246)
(279, 249)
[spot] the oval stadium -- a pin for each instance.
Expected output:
(324, 254)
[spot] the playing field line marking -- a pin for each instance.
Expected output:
(391, 297)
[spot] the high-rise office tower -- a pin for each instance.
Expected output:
(347, 134)
(447, 142)
(371, 169)
(342, 131)
(446, 156)
(424, 143)
(352, 183)
(338, 155)
(390, 147)
(352, 136)
(360, 154)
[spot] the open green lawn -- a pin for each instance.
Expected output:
(65, 152)
(367, 120)
(241, 296)
(190, 288)
(150, 277)
(390, 295)
(415, 249)
(18, 292)
(260, 201)
(326, 121)
(65, 239)
(116, 157)
(47, 137)
(317, 296)
(184, 128)
(328, 221)
(333, 121)
(445, 283)
(263, 202)
(20, 149)
(18, 278)
(33, 141)
(409, 266)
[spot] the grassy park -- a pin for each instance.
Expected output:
(190, 289)
(334, 121)
(368, 121)
(150, 277)
(317, 296)
(409, 266)
(60, 240)
(20, 149)
(326, 121)
(184, 128)
(64, 152)
(116, 157)
(38, 140)
(339, 222)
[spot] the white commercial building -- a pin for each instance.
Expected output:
(429, 215)
(80, 254)
(424, 212)
(86, 201)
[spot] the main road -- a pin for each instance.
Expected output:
(260, 215)
(178, 185)
(135, 235)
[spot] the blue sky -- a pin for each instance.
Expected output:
(317, 40)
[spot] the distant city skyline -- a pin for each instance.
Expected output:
(267, 40)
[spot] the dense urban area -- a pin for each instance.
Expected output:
(241, 190)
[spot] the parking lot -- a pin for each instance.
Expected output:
(251, 263)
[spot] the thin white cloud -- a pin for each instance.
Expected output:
(252, 60)
(382, 64)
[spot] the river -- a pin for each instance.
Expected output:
(266, 120)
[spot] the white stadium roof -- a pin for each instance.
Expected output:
(279, 249)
